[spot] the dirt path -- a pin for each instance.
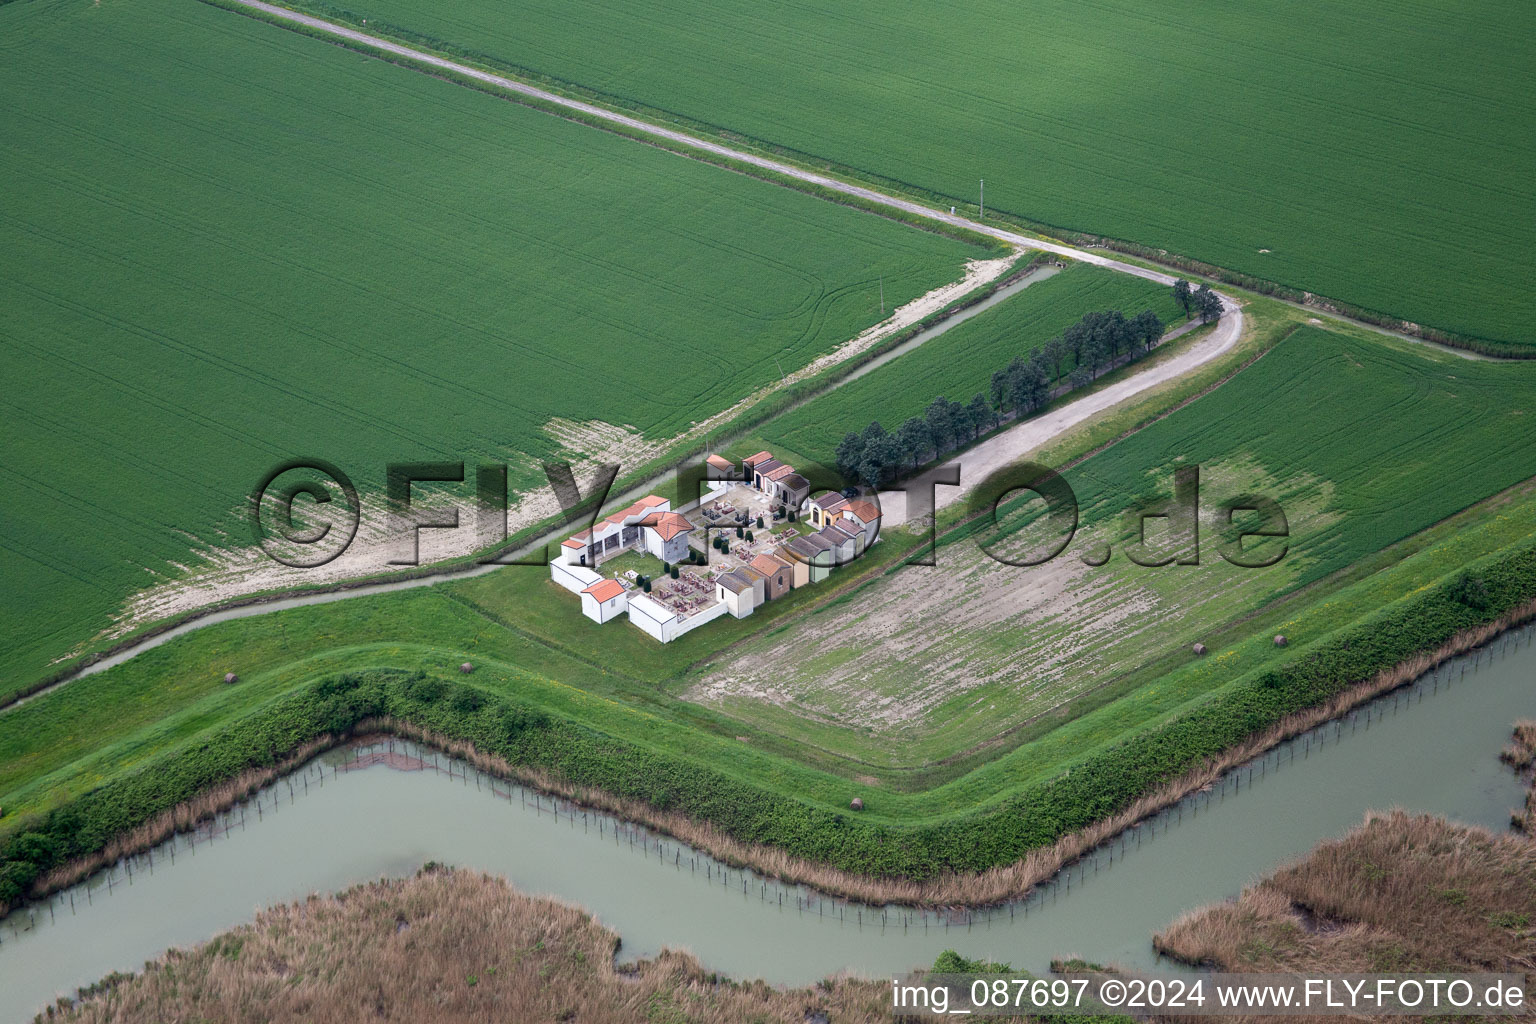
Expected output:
(977, 463)
(703, 145)
(989, 455)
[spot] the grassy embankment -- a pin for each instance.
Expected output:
(108, 752)
(1365, 444)
(1123, 149)
(360, 264)
(1401, 893)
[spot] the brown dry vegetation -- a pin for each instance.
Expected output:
(447, 946)
(1521, 755)
(1401, 893)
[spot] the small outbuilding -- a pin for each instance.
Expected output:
(604, 600)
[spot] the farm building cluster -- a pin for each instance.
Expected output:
(754, 537)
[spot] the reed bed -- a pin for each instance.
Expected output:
(446, 946)
(1521, 756)
(1400, 893)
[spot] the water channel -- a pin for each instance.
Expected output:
(359, 813)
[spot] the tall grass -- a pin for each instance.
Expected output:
(1521, 755)
(1400, 893)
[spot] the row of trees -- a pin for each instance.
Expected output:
(1200, 301)
(875, 455)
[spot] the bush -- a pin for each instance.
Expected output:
(1470, 590)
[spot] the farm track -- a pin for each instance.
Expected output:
(997, 451)
(981, 460)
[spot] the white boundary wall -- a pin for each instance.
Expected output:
(658, 622)
(574, 578)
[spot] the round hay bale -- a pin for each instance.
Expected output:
(466, 668)
(857, 804)
(1280, 640)
(1198, 648)
(230, 677)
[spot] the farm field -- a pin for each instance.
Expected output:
(960, 362)
(228, 245)
(1376, 154)
(526, 640)
(1362, 442)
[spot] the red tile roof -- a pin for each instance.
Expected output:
(667, 524)
(780, 473)
(638, 508)
(720, 462)
(572, 543)
(864, 510)
(752, 460)
(768, 564)
(604, 591)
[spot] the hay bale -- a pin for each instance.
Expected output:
(1280, 640)
(466, 668)
(1198, 648)
(857, 804)
(230, 677)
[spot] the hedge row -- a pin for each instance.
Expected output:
(1102, 785)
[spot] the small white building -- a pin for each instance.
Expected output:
(737, 592)
(604, 600)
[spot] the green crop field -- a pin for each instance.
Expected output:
(1375, 153)
(960, 362)
(1362, 442)
(227, 245)
(527, 639)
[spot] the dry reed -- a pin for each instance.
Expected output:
(1521, 756)
(1400, 893)
(447, 946)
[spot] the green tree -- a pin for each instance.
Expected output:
(1182, 295)
(914, 439)
(979, 410)
(849, 454)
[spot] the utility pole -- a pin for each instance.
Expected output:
(882, 296)
(983, 200)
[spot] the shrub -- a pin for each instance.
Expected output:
(1470, 590)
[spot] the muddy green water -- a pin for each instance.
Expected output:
(355, 815)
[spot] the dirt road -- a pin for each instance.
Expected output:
(997, 451)
(977, 463)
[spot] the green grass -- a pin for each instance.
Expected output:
(960, 362)
(228, 245)
(1364, 443)
(528, 641)
(1376, 154)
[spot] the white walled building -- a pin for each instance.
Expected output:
(604, 600)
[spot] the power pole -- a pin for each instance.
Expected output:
(882, 296)
(983, 200)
